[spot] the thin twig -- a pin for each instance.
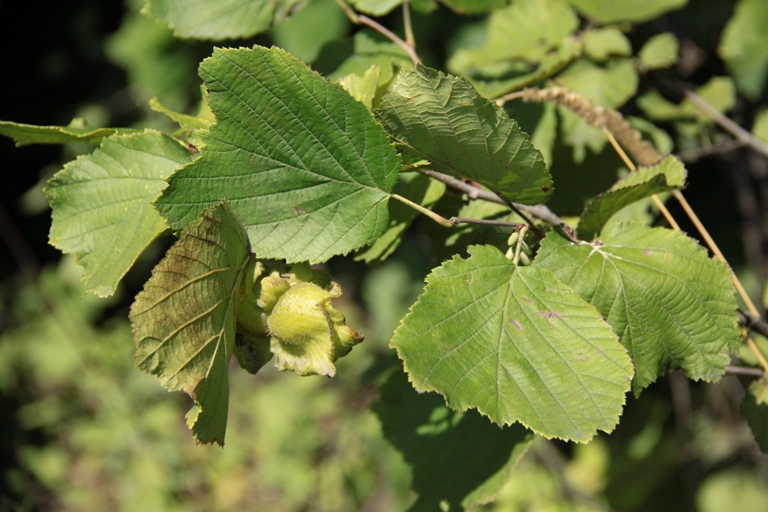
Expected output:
(726, 124)
(657, 201)
(365, 20)
(539, 211)
(744, 370)
(753, 323)
(753, 347)
(692, 155)
(409, 39)
(485, 222)
(361, 19)
(426, 211)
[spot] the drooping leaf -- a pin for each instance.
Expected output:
(611, 11)
(516, 344)
(754, 410)
(219, 19)
(101, 202)
(442, 119)
(76, 131)
(527, 29)
(601, 43)
(419, 189)
(458, 458)
(671, 305)
(660, 51)
(305, 167)
(184, 320)
(669, 174)
(744, 46)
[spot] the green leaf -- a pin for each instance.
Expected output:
(744, 46)
(371, 49)
(190, 125)
(516, 344)
(669, 174)
(671, 305)
(101, 202)
(527, 29)
(458, 459)
(611, 11)
(760, 127)
(442, 119)
(419, 189)
(76, 131)
(474, 6)
(550, 65)
(219, 19)
(719, 92)
(375, 7)
(658, 137)
(305, 167)
(660, 51)
(305, 33)
(362, 88)
(184, 319)
(754, 410)
(601, 43)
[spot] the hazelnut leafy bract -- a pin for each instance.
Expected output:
(209, 299)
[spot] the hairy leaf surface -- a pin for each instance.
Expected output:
(184, 320)
(219, 19)
(305, 166)
(101, 202)
(669, 174)
(458, 458)
(442, 119)
(77, 131)
(671, 305)
(516, 344)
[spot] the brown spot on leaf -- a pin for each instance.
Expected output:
(299, 210)
(467, 281)
(550, 314)
(516, 324)
(526, 299)
(647, 252)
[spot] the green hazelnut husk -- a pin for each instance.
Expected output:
(288, 312)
